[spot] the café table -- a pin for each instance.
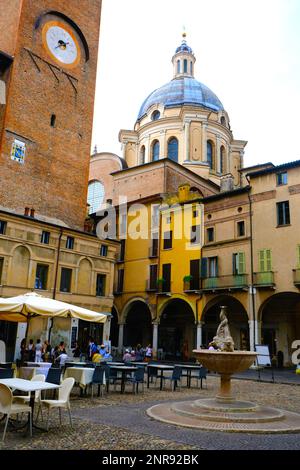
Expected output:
(189, 368)
(82, 375)
(161, 368)
(124, 370)
(31, 387)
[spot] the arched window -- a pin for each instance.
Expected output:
(173, 149)
(222, 159)
(155, 151)
(191, 67)
(178, 66)
(210, 153)
(185, 66)
(155, 115)
(142, 155)
(95, 196)
(223, 121)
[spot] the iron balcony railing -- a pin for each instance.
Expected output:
(264, 279)
(296, 273)
(192, 285)
(239, 281)
(151, 285)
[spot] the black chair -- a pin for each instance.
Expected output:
(111, 376)
(6, 365)
(53, 377)
(175, 377)
(202, 375)
(6, 373)
(138, 378)
(152, 372)
(98, 379)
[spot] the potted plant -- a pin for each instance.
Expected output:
(160, 283)
(187, 282)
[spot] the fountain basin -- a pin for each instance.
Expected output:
(225, 362)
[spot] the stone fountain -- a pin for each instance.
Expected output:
(224, 412)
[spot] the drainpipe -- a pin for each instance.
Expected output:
(55, 278)
(251, 264)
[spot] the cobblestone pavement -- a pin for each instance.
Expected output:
(119, 422)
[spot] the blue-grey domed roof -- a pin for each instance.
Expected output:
(180, 91)
(184, 48)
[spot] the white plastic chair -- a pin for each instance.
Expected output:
(26, 398)
(7, 407)
(62, 402)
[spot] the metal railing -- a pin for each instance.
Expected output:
(239, 281)
(264, 279)
(296, 275)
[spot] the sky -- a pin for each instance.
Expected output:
(247, 51)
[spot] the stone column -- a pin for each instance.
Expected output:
(204, 142)
(187, 125)
(199, 334)
(254, 326)
(155, 340)
(147, 151)
(121, 337)
(124, 146)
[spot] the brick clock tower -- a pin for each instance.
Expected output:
(48, 63)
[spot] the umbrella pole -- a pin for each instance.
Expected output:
(27, 329)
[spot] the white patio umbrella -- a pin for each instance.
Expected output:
(24, 307)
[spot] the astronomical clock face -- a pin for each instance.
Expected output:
(61, 44)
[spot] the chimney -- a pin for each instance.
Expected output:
(32, 211)
(227, 183)
(26, 212)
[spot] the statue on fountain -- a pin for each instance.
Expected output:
(223, 340)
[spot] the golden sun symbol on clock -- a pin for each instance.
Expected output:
(61, 44)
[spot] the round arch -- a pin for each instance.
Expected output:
(237, 318)
(177, 330)
(279, 315)
(137, 323)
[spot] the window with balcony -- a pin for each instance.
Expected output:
(283, 213)
(195, 274)
(100, 285)
(265, 276)
(41, 276)
(45, 237)
(166, 274)
(282, 178)
(168, 239)
(153, 277)
(210, 234)
(3, 225)
(65, 280)
(120, 282)
(238, 264)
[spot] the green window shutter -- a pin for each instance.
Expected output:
(268, 260)
(241, 263)
(298, 256)
(262, 261)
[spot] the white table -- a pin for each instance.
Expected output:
(31, 387)
(82, 375)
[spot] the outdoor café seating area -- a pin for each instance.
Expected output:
(33, 390)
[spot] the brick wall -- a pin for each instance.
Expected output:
(53, 180)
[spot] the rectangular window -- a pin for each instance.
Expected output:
(282, 178)
(154, 246)
(70, 243)
(166, 272)
(41, 276)
(153, 277)
(265, 261)
(65, 280)
(238, 264)
(283, 213)
(100, 285)
(210, 234)
(103, 250)
(241, 229)
(212, 267)
(45, 237)
(168, 240)
(195, 274)
(195, 235)
(122, 251)
(1, 269)
(2, 227)
(120, 286)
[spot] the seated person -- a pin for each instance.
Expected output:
(127, 356)
(102, 349)
(107, 356)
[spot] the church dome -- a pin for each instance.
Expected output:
(182, 91)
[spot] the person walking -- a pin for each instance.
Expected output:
(38, 351)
